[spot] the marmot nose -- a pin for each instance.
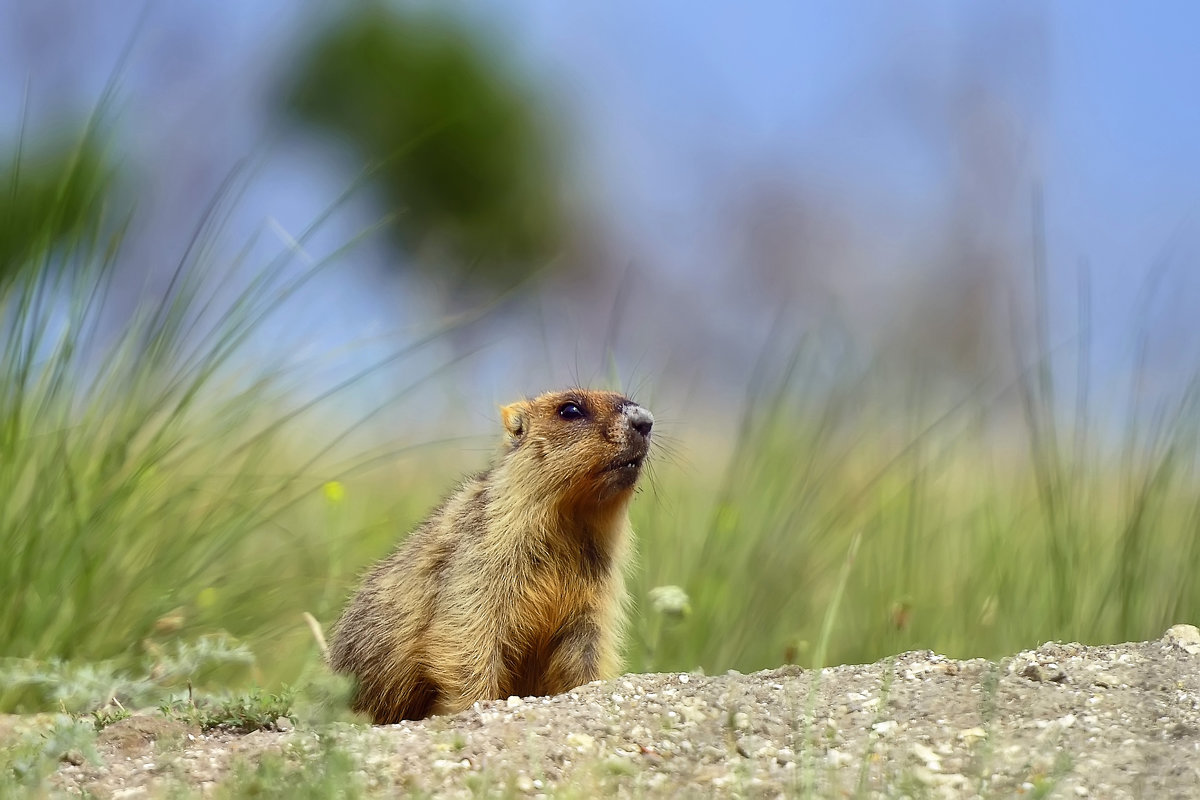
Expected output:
(640, 419)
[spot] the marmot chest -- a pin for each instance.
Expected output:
(555, 592)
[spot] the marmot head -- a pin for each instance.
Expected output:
(580, 447)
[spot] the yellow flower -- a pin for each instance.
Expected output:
(207, 597)
(334, 492)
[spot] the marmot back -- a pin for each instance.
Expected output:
(514, 585)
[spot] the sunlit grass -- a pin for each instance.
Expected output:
(135, 518)
(160, 482)
(964, 535)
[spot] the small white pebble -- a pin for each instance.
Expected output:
(580, 741)
(684, 678)
(926, 756)
(924, 776)
(836, 758)
(514, 701)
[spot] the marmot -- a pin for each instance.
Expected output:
(514, 585)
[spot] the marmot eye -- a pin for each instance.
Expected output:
(570, 411)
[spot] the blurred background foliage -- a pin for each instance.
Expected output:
(459, 151)
(53, 192)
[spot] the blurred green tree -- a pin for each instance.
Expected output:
(50, 197)
(465, 160)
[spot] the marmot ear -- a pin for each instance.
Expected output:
(513, 417)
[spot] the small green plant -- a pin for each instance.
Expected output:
(71, 686)
(323, 697)
(193, 661)
(255, 710)
(103, 717)
(864, 773)
(26, 762)
(330, 772)
(981, 757)
(671, 606)
(83, 687)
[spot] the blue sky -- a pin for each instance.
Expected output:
(673, 103)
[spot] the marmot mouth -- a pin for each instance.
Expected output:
(628, 465)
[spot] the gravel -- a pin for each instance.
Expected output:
(1063, 720)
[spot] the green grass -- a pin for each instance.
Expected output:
(160, 481)
(970, 536)
(162, 501)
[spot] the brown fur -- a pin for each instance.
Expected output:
(513, 586)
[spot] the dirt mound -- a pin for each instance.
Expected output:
(1074, 721)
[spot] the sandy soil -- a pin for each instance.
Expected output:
(1063, 721)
